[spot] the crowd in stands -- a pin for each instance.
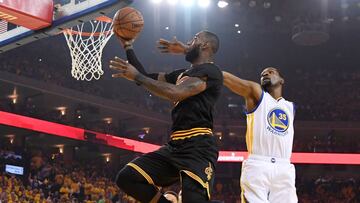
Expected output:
(328, 189)
(49, 180)
(325, 94)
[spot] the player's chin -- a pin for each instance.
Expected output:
(265, 85)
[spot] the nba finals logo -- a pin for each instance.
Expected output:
(278, 121)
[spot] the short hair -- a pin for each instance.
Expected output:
(275, 69)
(213, 39)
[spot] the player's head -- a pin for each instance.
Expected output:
(203, 43)
(271, 78)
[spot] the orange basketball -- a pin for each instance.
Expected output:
(128, 23)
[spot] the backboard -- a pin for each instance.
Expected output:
(67, 13)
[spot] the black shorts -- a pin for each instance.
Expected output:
(195, 157)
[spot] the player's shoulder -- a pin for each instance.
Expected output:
(289, 104)
(179, 70)
(208, 68)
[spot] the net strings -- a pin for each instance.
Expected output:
(86, 51)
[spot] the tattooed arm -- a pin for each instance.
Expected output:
(189, 87)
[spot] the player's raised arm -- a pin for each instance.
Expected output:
(133, 60)
(172, 47)
(175, 93)
(250, 90)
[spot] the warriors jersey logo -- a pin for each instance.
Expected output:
(278, 120)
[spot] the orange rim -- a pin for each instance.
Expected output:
(87, 34)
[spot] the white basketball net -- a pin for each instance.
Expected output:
(86, 49)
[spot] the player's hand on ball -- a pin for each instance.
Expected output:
(125, 42)
(172, 47)
(124, 69)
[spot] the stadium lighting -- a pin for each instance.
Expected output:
(156, 1)
(344, 5)
(172, 2)
(14, 96)
(222, 4)
(62, 110)
(204, 3)
(278, 18)
(236, 25)
(61, 148)
(187, 3)
(252, 3)
(267, 5)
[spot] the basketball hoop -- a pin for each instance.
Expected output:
(86, 47)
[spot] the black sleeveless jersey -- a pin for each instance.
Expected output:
(196, 111)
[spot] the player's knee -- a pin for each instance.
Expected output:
(128, 176)
(123, 178)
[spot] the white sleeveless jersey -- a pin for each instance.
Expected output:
(270, 129)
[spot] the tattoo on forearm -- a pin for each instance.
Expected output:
(159, 88)
(166, 90)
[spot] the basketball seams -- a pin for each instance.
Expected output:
(134, 21)
(124, 28)
(124, 15)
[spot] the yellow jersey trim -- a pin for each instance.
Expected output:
(184, 134)
(250, 132)
(142, 172)
(242, 196)
(192, 132)
(186, 137)
(199, 180)
(192, 129)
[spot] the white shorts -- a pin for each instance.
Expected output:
(267, 179)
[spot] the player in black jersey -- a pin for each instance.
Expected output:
(191, 154)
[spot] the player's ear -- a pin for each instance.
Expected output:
(205, 45)
(282, 81)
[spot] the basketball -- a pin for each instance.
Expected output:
(128, 23)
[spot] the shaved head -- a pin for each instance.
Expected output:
(212, 39)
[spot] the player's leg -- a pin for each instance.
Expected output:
(197, 161)
(193, 191)
(254, 181)
(142, 177)
(137, 186)
(282, 188)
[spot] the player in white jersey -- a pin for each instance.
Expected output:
(267, 175)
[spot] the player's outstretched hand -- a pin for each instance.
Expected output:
(172, 47)
(124, 69)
